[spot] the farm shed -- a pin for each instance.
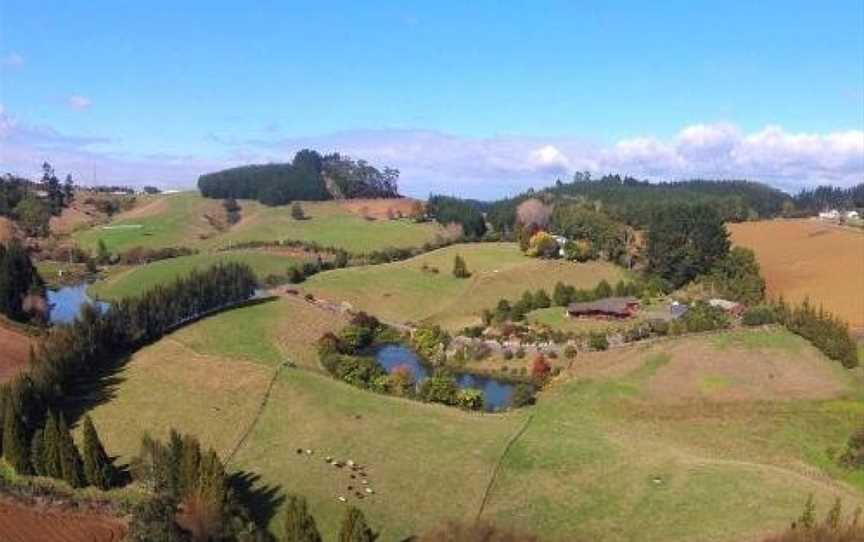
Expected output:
(609, 307)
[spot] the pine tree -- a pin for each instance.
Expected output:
(98, 470)
(299, 523)
(70, 458)
(460, 270)
(51, 464)
(37, 453)
(15, 446)
(354, 528)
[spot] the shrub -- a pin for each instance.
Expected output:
(508, 355)
(570, 351)
(759, 315)
(523, 395)
(460, 269)
(470, 399)
(660, 327)
(440, 388)
(520, 353)
(704, 317)
(297, 212)
(598, 341)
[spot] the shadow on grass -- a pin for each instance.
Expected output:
(262, 499)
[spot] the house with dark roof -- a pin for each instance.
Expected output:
(609, 307)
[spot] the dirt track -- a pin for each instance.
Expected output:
(20, 523)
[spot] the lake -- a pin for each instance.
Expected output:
(497, 393)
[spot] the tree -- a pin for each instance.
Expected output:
(70, 458)
(562, 295)
(33, 215)
(540, 369)
(153, 521)
(532, 211)
(51, 185)
(737, 276)
(98, 469)
(51, 452)
(102, 255)
(460, 269)
(18, 278)
(297, 211)
(541, 300)
(68, 190)
(523, 395)
(354, 527)
(16, 449)
(685, 241)
(543, 245)
(299, 523)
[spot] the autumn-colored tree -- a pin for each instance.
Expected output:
(533, 211)
(540, 368)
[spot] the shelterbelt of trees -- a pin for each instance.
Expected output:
(634, 202)
(309, 177)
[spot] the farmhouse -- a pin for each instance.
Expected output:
(610, 307)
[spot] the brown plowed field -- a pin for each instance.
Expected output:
(14, 353)
(801, 258)
(19, 523)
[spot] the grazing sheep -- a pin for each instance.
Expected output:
(369, 490)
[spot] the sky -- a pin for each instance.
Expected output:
(480, 99)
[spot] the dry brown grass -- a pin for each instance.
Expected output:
(801, 258)
(7, 230)
(379, 208)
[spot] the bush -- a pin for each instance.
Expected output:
(440, 388)
(704, 317)
(508, 355)
(470, 399)
(523, 395)
(570, 351)
(759, 315)
(598, 341)
(460, 269)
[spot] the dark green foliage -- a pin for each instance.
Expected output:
(703, 317)
(562, 295)
(12, 191)
(853, 457)
(232, 210)
(523, 395)
(299, 523)
(70, 459)
(37, 453)
(51, 464)
(429, 342)
(153, 521)
(354, 527)
(98, 468)
(822, 329)
(297, 212)
(685, 241)
(581, 222)
(812, 201)
(759, 315)
(603, 289)
(598, 341)
(460, 269)
(358, 179)
(358, 371)
(33, 215)
(440, 388)
(737, 277)
(16, 446)
(301, 180)
(447, 210)
(18, 278)
(51, 184)
(541, 299)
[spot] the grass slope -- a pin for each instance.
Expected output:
(179, 220)
(608, 454)
(136, 280)
(402, 291)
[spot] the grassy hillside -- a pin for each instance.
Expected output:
(138, 279)
(403, 291)
(715, 438)
(179, 220)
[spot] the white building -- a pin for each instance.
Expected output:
(853, 215)
(833, 214)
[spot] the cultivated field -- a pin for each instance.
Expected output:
(136, 280)
(182, 220)
(717, 437)
(801, 258)
(403, 291)
(14, 351)
(19, 523)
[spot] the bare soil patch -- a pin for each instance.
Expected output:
(801, 258)
(20, 523)
(71, 219)
(14, 352)
(379, 208)
(154, 208)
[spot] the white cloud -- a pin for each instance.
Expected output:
(12, 59)
(474, 167)
(78, 102)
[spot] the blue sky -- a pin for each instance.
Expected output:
(478, 97)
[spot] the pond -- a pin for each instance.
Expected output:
(66, 302)
(497, 393)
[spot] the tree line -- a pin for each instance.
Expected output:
(20, 283)
(450, 210)
(81, 351)
(305, 178)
